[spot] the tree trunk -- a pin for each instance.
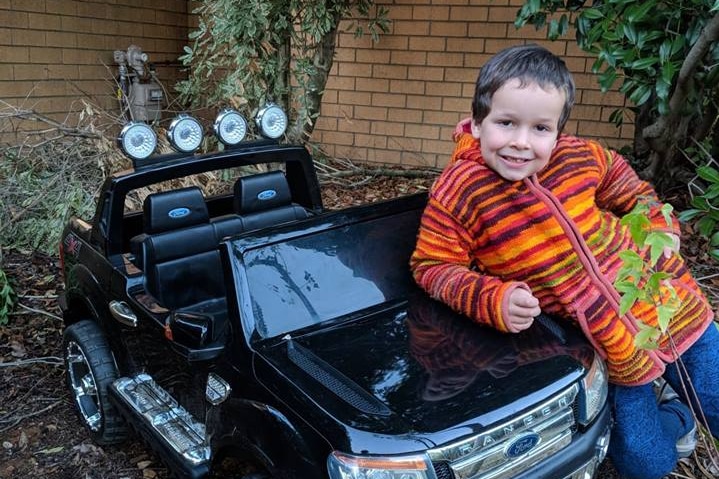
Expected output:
(665, 133)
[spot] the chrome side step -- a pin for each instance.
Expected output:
(154, 412)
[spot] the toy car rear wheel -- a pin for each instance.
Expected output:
(90, 369)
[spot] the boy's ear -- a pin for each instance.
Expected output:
(476, 129)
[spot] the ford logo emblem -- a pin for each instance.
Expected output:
(266, 195)
(522, 445)
(178, 213)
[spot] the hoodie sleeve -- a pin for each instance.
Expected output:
(441, 265)
(620, 189)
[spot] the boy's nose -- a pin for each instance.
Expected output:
(520, 139)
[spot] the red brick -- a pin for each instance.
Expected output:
(424, 103)
(412, 28)
(469, 14)
(372, 84)
(432, 13)
(387, 128)
(404, 115)
(10, 54)
(29, 72)
(371, 140)
(354, 125)
(437, 146)
(11, 19)
(338, 138)
(61, 7)
(400, 12)
(62, 72)
(412, 87)
(371, 113)
(28, 5)
(444, 89)
(445, 59)
(344, 83)
(422, 131)
(488, 30)
(468, 45)
(436, 44)
(354, 98)
(467, 75)
(444, 117)
(354, 70)
(372, 56)
(448, 29)
(425, 73)
(408, 58)
(389, 71)
(61, 39)
(389, 100)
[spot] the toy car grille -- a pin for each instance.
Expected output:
(507, 449)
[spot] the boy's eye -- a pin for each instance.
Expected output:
(504, 122)
(543, 128)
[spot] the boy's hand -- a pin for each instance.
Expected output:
(669, 250)
(523, 307)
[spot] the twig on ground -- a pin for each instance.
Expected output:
(39, 311)
(55, 361)
(19, 419)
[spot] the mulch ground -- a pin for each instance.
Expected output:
(40, 435)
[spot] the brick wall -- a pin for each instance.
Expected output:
(397, 101)
(53, 52)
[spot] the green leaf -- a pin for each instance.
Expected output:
(708, 173)
(665, 313)
(639, 10)
(627, 301)
(641, 94)
(714, 241)
(592, 13)
(706, 226)
(630, 32)
(656, 278)
(690, 214)
(666, 211)
(644, 63)
(657, 241)
(646, 337)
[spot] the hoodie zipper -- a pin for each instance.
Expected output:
(581, 249)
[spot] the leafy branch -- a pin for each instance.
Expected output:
(638, 280)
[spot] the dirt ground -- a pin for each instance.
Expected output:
(40, 435)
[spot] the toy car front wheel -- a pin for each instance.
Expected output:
(90, 369)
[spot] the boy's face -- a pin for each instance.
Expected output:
(519, 133)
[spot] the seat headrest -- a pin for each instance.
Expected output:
(261, 192)
(169, 210)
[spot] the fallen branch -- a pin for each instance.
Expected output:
(53, 360)
(39, 311)
(19, 419)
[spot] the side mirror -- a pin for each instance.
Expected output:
(191, 329)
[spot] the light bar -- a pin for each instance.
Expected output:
(271, 120)
(137, 140)
(185, 134)
(230, 127)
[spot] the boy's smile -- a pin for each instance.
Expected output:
(519, 133)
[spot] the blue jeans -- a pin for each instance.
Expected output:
(643, 443)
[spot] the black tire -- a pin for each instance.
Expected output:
(89, 371)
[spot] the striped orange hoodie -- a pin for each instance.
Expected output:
(557, 233)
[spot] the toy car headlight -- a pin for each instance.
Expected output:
(185, 134)
(345, 466)
(271, 120)
(230, 127)
(137, 140)
(593, 394)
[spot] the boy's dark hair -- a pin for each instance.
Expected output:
(528, 64)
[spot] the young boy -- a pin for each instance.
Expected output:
(526, 219)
